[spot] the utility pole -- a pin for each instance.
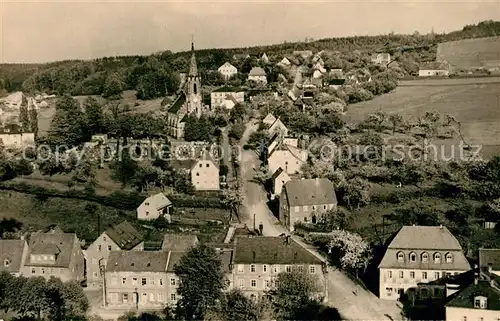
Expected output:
(254, 222)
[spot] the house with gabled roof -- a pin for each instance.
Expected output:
(13, 255)
(264, 58)
(304, 200)
(227, 70)
(278, 179)
(257, 74)
(382, 58)
(54, 254)
(258, 260)
(433, 69)
(269, 119)
(202, 168)
(419, 254)
(119, 237)
(179, 242)
(227, 97)
(155, 206)
(288, 157)
(277, 128)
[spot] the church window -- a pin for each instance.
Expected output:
(195, 89)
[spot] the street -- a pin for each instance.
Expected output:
(352, 301)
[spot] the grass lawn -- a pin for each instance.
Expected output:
(473, 102)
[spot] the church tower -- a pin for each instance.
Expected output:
(193, 87)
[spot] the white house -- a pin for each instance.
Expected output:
(153, 207)
(227, 70)
(257, 74)
(433, 69)
(277, 128)
(203, 171)
(382, 58)
(278, 180)
(226, 97)
(12, 136)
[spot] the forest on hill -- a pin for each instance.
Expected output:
(157, 75)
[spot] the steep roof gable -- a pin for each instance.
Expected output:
(124, 235)
(314, 191)
(425, 237)
(137, 261)
(178, 242)
(61, 244)
(11, 255)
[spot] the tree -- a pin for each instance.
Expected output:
(237, 130)
(33, 121)
(24, 117)
(356, 192)
(237, 307)
(123, 167)
(113, 86)
(237, 113)
(198, 129)
(32, 300)
(396, 121)
(293, 297)
(232, 198)
(93, 116)
(10, 225)
(351, 251)
(202, 280)
(67, 126)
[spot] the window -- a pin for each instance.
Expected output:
(465, 318)
(147, 204)
(152, 281)
(43, 271)
(305, 208)
(124, 281)
(241, 268)
(288, 268)
(6, 262)
(390, 274)
(477, 303)
(449, 258)
(99, 248)
(412, 275)
(401, 257)
(143, 281)
(297, 209)
(172, 281)
(264, 268)
(276, 269)
(208, 165)
(197, 174)
(413, 257)
(324, 207)
(425, 257)
(300, 268)
(134, 281)
(252, 268)
(172, 297)
(152, 297)
(94, 275)
(312, 269)
(437, 258)
(104, 238)
(436, 275)
(33, 271)
(125, 297)
(161, 281)
(253, 283)
(109, 247)
(401, 274)
(159, 297)
(424, 275)
(314, 207)
(113, 297)
(266, 283)
(242, 283)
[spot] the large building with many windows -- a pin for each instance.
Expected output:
(419, 254)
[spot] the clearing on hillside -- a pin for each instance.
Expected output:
(474, 102)
(471, 53)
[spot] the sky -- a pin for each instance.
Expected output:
(44, 31)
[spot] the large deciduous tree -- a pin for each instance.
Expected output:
(202, 281)
(93, 116)
(68, 123)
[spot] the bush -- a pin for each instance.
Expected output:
(237, 131)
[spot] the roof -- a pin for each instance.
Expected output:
(227, 89)
(178, 242)
(271, 250)
(257, 71)
(489, 256)
(465, 298)
(227, 64)
(58, 243)
(425, 238)
(269, 119)
(11, 129)
(159, 201)
(462, 279)
(124, 235)
(226, 258)
(433, 65)
(178, 103)
(314, 191)
(137, 261)
(277, 173)
(175, 257)
(337, 82)
(11, 252)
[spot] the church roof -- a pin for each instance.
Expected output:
(178, 103)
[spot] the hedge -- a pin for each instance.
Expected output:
(120, 199)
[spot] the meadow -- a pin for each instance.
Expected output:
(474, 102)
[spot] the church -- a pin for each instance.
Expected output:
(188, 102)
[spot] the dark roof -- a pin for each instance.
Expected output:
(11, 129)
(257, 71)
(58, 243)
(11, 255)
(175, 257)
(227, 89)
(337, 82)
(314, 191)
(277, 173)
(183, 164)
(178, 103)
(178, 242)
(489, 256)
(137, 261)
(463, 279)
(271, 250)
(465, 298)
(226, 258)
(124, 235)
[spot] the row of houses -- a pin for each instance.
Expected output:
(132, 277)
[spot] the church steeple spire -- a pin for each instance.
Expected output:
(193, 68)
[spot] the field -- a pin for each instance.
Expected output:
(473, 102)
(471, 53)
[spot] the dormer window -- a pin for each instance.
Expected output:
(437, 258)
(480, 302)
(6, 262)
(449, 258)
(401, 257)
(413, 257)
(425, 257)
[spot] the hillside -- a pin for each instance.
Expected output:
(471, 53)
